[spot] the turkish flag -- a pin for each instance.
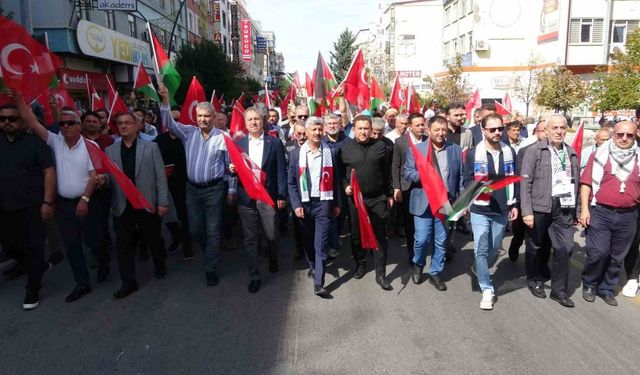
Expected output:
(396, 98)
(430, 179)
(251, 176)
(367, 236)
(102, 164)
(94, 99)
(25, 64)
(412, 104)
(576, 143)
(506, 102)
(500, 109)
(195, 95)
(117, 106)
(472, 104)
(62, 98)
(356, 84)
(215, 102)
(237, 120)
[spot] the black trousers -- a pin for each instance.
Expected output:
(608, 241)
(550, 230)
(97, 227)
(632, 260)
(22, 235)
(407, 219)
(180, 232)
(148, 226)
(377, 210)
(72, 230)
(519, 230)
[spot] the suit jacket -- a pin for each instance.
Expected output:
(294, 180)
(273, 165)
(419, 202)
(399, 158)
(151, 178)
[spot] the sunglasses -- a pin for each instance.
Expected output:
(493, 130)
(67, 123)
(303, 117)
(9, 118)
(627, 135)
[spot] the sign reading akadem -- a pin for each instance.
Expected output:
(131, 5)
(98, 41)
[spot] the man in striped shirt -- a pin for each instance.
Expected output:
(209, 179)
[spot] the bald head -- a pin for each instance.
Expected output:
(602, 136)
(625, 134)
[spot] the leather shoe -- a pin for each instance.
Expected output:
(254, 286)
(125, 290)
(562, 299)
(384, 284)
(588, 293)
(273, 265)
(417, 274)
(311, 274)
(537, 290)
(77, 293)
(212, 278)
(359, 271)
(437, 282)
(103, 272)
(609, 299)
(321, 292)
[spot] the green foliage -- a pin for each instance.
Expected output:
(342, 55)
(208, 63)
(452, 88)
(620, 87)
(560, 89)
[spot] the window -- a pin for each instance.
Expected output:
(620, 30)
(447, 16)
(224, 19)
(132, 25)
(463, 8)
(110, 19)
(586, 31)
(163, 4)
(470, 38)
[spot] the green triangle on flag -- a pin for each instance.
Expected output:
(377, 95)
(143, 84)
(55, 82)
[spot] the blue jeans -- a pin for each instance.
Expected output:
(487, 236)
(205, 206)
(427, 227)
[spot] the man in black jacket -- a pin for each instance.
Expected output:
(370, 159)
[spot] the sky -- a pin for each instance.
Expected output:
(304, 27)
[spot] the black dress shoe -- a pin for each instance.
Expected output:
(160, 273)
(417, 274)
(173, 248)
(273, 265)
(384, 284)
(212, 278)
(437, 282)
(514, 252)
(311, 274)
(609, 299)
(254, 286)
(562, 299)
(358, 273)
(77, 293)
(321, 292)
(588, 293)
(125, 290)
(537, 290)
(103, 272)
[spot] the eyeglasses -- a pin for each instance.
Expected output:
(9, 118)
(67, 123)
(118, 123)
(493, 130)
(302, 117)
(623, 135)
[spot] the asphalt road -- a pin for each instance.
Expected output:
(180, 326)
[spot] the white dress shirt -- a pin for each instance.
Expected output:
(256, 147)
(314, 163)
(72, 166)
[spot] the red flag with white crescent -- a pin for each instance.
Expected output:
(250, 175)
(195, 95)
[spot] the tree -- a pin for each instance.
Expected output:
(560, 89)
(209, 64)
(620, 87)
(342, 55)
(452, 88)
(526, 86)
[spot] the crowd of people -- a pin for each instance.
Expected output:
(310, 166)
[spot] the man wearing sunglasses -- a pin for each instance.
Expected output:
(75, 177)
(609, 197)
(27, 197)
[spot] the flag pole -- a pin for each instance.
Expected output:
(155, 54)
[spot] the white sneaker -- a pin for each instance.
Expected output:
(487, 300)
(630, 288)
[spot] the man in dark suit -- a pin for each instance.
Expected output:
(142, 163)
(446, 158)
(402, 187)
(267, 153)
(315, 194)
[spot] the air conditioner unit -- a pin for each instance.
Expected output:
(481, 45)
(613, 48)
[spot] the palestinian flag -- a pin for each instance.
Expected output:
(165, 70)
(323, 84)
(377, 95)
(471, 193)
(143, 84)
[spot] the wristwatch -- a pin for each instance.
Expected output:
(50, 204)
(85, 199)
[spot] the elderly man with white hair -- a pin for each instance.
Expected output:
(402, 122)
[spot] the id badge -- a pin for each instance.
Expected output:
(561, 186)
(568, 199)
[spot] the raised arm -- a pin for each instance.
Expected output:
(180, 130)
(28, 116)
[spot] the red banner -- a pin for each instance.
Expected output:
(246, 40)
